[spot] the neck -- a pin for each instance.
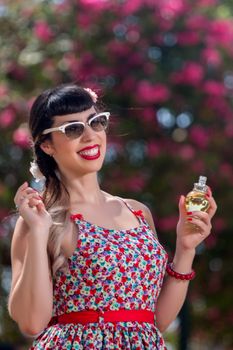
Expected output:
(84, 189)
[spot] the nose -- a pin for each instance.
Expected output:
(88, 134)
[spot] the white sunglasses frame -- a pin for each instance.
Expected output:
(62, 127)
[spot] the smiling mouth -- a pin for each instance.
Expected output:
(91, 153)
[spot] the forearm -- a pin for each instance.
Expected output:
(30, 303)
(174, 291)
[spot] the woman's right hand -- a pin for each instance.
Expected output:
(31, 207)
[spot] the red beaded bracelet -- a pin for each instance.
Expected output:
(179, 276)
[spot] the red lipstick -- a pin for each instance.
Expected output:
(90, 152)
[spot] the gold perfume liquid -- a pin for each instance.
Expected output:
(196, 200)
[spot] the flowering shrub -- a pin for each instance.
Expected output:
(164, 69)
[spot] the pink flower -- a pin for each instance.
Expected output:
(188, 38)
(212, 87)
(96, 5)
(197, 22)
(226, 169)
(135, 184)
(3, 91)
(211, 57)
(218, 104)
(207, 3)
(129, 7)
(191, 74)
(152, 149)
(15, 71)
(118, 49)
(220, 31)
(42, 31)
(170, 9)
(219, 224)
(152, 93)
(84, 20)
(148, 116)
(229, 129)
(187, 152)
(127, 84)
(199, 136)
(21, 137)
(7, 117)
(92, 93)
(198, 166)
(168, 223)
(210, 241)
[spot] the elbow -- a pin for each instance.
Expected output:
(32, 328)
(30, 331)
(162, 326)
(31, 324)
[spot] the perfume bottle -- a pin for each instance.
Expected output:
(196, 200)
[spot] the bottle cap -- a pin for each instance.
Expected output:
(201, 184)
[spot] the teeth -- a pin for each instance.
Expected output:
(90, 152)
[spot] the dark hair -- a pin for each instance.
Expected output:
(61, 100)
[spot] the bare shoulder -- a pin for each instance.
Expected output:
(136, 205)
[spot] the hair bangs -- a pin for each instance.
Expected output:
(68, 100)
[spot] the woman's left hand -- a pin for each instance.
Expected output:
(194, 227)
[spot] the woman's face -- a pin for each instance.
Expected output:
(81, 155)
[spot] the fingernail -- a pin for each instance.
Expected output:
(207, 195)
(189, 219)
(189, 213)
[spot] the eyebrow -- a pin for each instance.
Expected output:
(73, 121)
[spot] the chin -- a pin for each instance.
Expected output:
(92, 168)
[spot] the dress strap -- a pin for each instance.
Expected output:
(138, 213)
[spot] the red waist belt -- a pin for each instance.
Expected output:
(92, 316)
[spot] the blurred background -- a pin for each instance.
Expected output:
(164, 70)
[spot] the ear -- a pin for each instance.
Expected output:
(47, 147)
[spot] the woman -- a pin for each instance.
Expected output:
(87, 266)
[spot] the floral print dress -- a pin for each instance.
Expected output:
(109, 270)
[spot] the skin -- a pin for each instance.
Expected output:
(31, 296)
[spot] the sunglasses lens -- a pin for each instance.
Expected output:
(74, 130)
(99, 123)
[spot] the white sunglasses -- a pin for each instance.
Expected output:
(98, 122)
